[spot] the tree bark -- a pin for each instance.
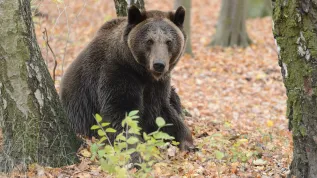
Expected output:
(122, 6)
(295, 31)
(187, 4)
(259, 8)
(33, 123)
(231, 29)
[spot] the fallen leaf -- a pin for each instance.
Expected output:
(259, 162)
(84, 165)
(85, 153)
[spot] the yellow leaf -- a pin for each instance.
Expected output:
(227, 124)
(58, 1)
(243, 140)
(85, 153)
(270, 123)
(260, 76)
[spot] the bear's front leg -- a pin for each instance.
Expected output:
(116, 98)
(179, 129)
(175, 101)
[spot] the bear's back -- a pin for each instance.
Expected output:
(84, 72)
(105, 47)
(113, 26)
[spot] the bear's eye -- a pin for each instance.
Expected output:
(149, 42)
(169, 42)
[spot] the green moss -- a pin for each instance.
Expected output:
(315, 91)
(302, 130)
(297, 70)
(312, 42)
(294, 112)
(277, 12)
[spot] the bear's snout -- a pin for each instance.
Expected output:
(159, 66)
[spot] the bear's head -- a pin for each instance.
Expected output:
(156, 39)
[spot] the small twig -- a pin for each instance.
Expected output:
(46, 48)
(59, 15)
(54, 56)
(81, 10)
(67, 40)
(68, 28)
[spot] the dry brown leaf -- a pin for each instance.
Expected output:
(84, 165)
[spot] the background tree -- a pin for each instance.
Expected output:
(187, 4)
(295, 28)
(32, 120)
(231, 29)
(122, 6)
(259, 8)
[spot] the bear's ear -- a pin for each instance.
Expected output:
(135, 16)
(179, 16)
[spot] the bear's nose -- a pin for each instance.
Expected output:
(159, 67)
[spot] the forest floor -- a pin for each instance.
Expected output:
(236, 96)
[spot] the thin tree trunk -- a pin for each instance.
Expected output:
(33, 124)
(122, 6)
(295, 31)
(187, 4)
(231, 29)
(259, 8)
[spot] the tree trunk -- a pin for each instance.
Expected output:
(33, 123)
(295, 31)
(122, 6)
(231, 29)
(187, 4)
(259, 8)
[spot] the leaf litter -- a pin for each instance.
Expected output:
(235, 96)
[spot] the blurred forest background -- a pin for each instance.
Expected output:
(234, 96)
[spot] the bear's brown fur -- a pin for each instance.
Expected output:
(127, 67)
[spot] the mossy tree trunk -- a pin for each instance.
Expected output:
(231, 28)
(32, 120)
(259, 8)
(187, 4)
(122, 6)
(295, 31)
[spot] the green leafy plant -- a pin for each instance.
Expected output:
(115, 158)
(230, 151)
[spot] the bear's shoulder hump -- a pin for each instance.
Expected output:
(112, 24)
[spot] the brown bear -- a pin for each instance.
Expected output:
(127, 66)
